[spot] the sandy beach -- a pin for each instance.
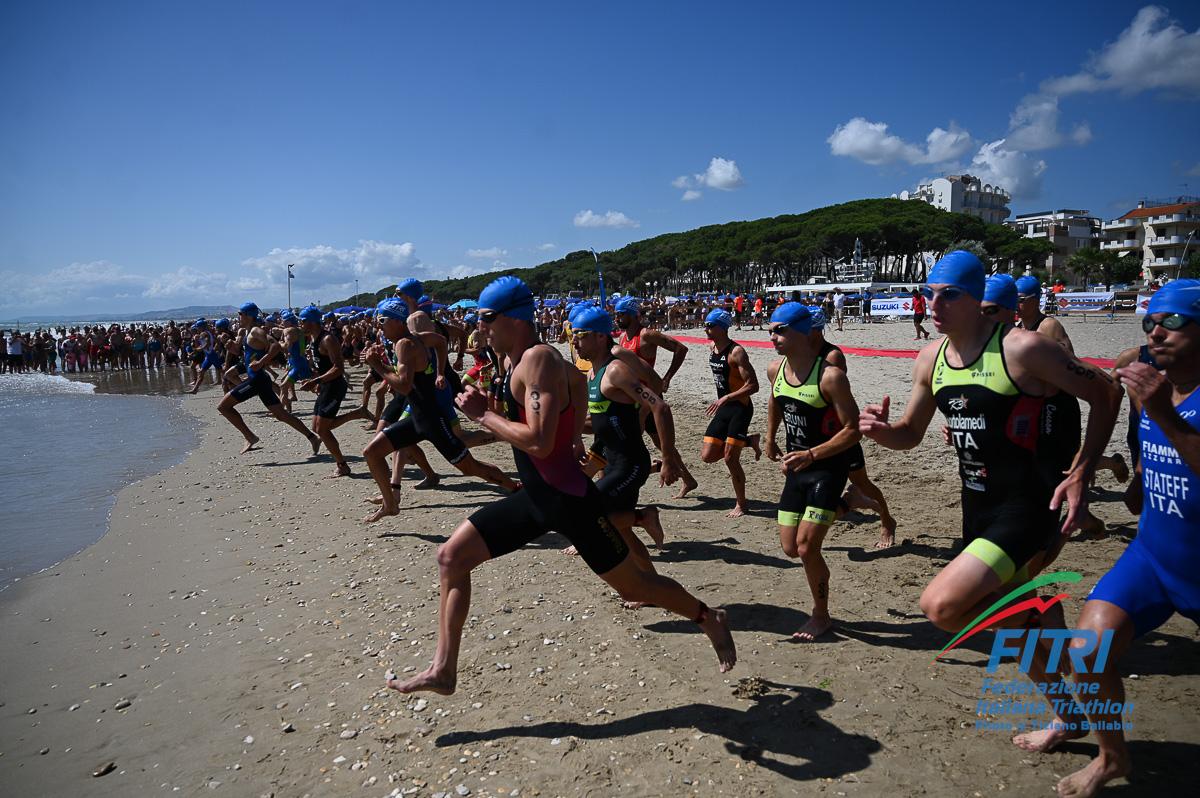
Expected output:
(231, 631)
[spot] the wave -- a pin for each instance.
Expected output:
(34, 383)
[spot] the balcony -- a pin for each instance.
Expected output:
(1167, 241)
(1165, 262)
(1122, 224)
(1128, 243)
(1174, 218)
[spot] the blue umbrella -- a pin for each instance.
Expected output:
(350, 309)
(464, 303)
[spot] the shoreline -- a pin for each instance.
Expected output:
(250, 598)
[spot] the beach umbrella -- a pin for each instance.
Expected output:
(464, 304)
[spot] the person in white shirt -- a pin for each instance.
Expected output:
(839, 307)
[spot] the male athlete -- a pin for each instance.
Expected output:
(330, 385)
(645, 343)
(414, 377)
(990, 382)
(820, 420)
(259, 349)
(736, 382)
(540, 414)
(1159, 573)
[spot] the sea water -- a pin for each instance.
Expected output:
(67, 451)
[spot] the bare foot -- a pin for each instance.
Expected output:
(429, 681)
(737, 512)
(250, 444)
(887, 537)
(382, 512)
(716, 625)
(379, 499)
(571, 551)
(689, 485)
(649, 522)
(636, 605)
(1040, 742)
(813, 629)
(755, 444)
(429, 482)
(1120, 468)
(1088, 781)
(342, 470)
(315, 440)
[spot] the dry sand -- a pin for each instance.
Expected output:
(232, 630)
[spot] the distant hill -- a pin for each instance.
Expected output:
(748, 256)
(189, 312)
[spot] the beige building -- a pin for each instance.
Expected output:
(964, 194)
(1157, 232)
(1067, 229)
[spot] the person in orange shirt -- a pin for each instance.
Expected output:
(739, 305)
(758, 312)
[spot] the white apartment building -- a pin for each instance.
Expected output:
(1157, 232)
(1069, 230)
(964, 194)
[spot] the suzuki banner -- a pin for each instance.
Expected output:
(1085, 302)
(900, 306)
(1143, 302)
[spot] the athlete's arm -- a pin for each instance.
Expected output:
(622, 380)
(640, 368)
(400, 376)
(678, 351)
(441, 355)
(772, 448)
(1053, 329)
(837, 359)
(909, 430)
(542, 383)
(1153, 390)
(333, 350)
(577, 388)
(1130, 355)
(1043, 359)
(739, 360)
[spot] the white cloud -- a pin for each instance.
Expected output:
(1152, 53)
(186, 282)
(608, 219)
(1082, 134)
(546, 247)
(721, 174)
(324, 268)
(871, 143)
(1015, 171)
(490, 252)
(73, 286)
(1034, 124)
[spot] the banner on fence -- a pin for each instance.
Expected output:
(900, 306)
(1143, 302)
(1085, 302)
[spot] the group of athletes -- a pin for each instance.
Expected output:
(1003, 376)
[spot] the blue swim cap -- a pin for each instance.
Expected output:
(960, 269)
(795, 315)
(628, 305)
(330, 316)
(411, 287)
(593, 319)
(392, 309)
(1001, 289)
(250, 309)
(222, 324)
(718, 317)
(509, 296)
(199, 324)
(816, 318)
(471, 319)
(1027, 284)
(288, 317)
(576, 309)
(311, 313)
(425, 301)
(1178, 296)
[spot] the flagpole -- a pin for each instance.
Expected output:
(290, 278)
(600, 272)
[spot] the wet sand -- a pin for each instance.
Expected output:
(232, 630)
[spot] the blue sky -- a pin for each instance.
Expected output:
(163, 154)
